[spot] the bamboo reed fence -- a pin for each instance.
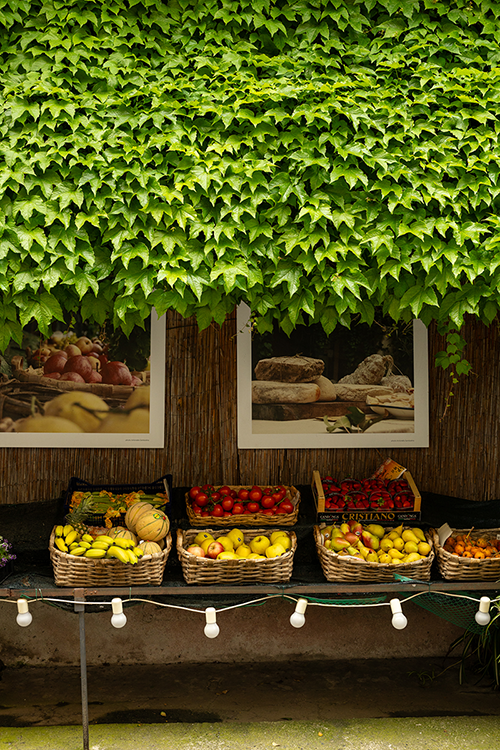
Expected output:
(201, 430)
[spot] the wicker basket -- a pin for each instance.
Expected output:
(205, 570)
(455, 568)
(248, 519)
(346, 568)
(72, 571)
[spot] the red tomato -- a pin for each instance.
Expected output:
(267, 501)
(215, 497)
(196, 509)
(227, 513)
(202, 499)
(238, 509)
(267, 491)
(286, 507)
(204, 513)
(207, 487)
(227, 502)
(225, 490)
(194, 491)
(269, 512)
(217, 511)
(253, 507)
(255, 494)
(233, 493)
(243, 494)
(277, 497)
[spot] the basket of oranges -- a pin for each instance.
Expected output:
(469, 554)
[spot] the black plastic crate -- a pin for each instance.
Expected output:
(163, 484)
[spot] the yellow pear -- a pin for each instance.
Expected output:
(395, 554)
(419, 533)
(385, 558)
(411, 547)
(424, 548)
(409, 536)
(398, 543)
(386, 544)
(412, 557)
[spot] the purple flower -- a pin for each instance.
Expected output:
(5, 552)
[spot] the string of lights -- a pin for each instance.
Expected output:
(297, 619)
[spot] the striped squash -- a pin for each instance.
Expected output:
(152, 526)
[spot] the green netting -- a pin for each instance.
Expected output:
(455, 609)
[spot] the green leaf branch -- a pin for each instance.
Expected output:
(314, 160)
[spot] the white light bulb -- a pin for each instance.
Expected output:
(211, 628)
(399, 621)
(118, 619)
(24, 616)
(482, 615)
(297, 619)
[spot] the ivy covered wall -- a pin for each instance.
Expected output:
(314, 158)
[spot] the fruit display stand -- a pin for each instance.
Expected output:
(456, 568)
(346, 568)
(248, 519)
(204, 570)
(71, 571)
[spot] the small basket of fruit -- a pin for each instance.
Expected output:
(468, 554)
(370, 552)
(229, 505)
(236, 556)
(130, 555)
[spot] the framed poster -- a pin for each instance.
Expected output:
(85, 388)
(364, 387)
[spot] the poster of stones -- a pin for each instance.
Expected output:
(84, 386)
(362, 387)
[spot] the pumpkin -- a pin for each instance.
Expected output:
(133, 513)
(152, 526)
(150, 548)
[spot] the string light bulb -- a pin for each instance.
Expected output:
(399, 621)
(24, 616)
(482, 616)
(297, 618)
(118, 618)
(211, 628)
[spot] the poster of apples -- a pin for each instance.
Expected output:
(360, 387)
(84, 386)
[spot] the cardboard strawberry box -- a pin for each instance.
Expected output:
(389, 497)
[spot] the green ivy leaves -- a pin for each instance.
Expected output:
(315, 159)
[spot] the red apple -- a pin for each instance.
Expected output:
(194, 549)
(94, 377)
(74, 376)
(55, 363)
(79, 364)
(53, 375)
(116, 373)
(97, 347)
(136, 381)
(214, 549)
(85, 345)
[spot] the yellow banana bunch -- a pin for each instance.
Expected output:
(61, 544)
(70, 537)
(104, 538)
(59, 530)
(124, 543)
(95, 553)
(77, 551)
(118, 553)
